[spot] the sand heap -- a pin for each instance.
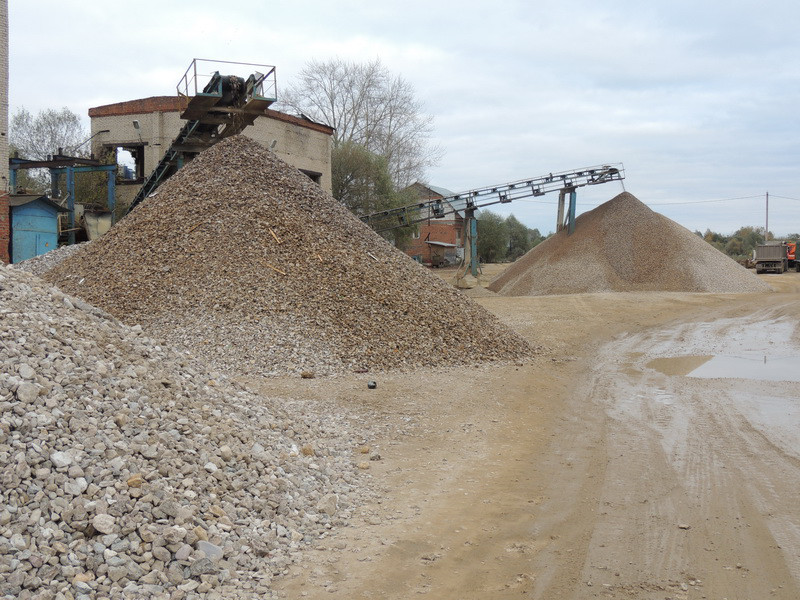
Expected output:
(245, 261)
(623, 246)
(126, 471)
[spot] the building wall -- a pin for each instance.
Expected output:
(5, 228)
(4, 212)
(446, 231)
(301, 144)
(3, 95)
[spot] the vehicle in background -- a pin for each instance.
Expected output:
(771, 258)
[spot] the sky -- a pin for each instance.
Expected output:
(697, 99)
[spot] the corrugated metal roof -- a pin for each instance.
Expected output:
(444, 192)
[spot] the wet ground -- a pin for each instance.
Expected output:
(614, 465)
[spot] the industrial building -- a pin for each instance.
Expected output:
(145, 129)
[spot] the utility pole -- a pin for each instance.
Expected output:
(766, 226)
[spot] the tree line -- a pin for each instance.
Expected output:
(740, 245)
(504, 239)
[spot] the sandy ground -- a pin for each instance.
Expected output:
(609, 466)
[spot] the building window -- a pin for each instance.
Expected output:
(313, 175)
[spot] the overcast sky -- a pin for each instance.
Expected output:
(698, 99)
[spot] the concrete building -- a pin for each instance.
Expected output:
(146, 128)
(5, 233)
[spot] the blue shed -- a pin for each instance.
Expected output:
(34, 225)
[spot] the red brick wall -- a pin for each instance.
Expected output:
(435, 232)
(5, 228)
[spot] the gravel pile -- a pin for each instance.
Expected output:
(44, 262)
(128, 472)
(623, 246)
(249, 264)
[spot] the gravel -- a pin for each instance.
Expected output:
(44, 262)
(129, 471)
(247, 263)
(620, 246)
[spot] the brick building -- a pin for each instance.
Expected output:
(439, 241)
(146, 128)
(5, 234)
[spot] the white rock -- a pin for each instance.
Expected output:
(61, 459)
(104, 523)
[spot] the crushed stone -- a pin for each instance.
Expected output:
(128, 470)
(624, 246)
(243, 260)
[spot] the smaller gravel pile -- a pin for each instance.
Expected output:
(249, 264)
(128, 472)
(624, 246)
(44, 262)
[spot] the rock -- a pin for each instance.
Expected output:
(307, 450)
(135, 481)
(116, 573)
(211, 551)
(26, 372)
(162, 554)
(184, 552)
(225, 453)
(27, 392)
(104, 523)
(60, 459)
(200, 533)
(202, 566)
(328, 504)
(175, 574)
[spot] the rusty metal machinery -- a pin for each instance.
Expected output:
(564, 182)
(222, 106)
(466, 203)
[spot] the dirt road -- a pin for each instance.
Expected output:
(600, 469)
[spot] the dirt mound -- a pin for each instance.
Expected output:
(246, 262)
(624, 246)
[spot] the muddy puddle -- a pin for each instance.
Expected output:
(758, 367)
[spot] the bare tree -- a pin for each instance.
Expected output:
(37, 137)
(367, 105)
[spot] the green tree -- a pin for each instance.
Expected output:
(493, 239)
(361, 181)
(519, 238)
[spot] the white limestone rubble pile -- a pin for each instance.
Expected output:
(127, 471)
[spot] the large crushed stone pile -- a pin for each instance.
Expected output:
(126, 471)
(624, 246)
(248, 263)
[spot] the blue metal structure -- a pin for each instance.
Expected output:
(471, 200)
(61, 164)
(567, 181)
(34, 226)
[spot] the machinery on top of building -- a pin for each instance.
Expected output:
(222, 106)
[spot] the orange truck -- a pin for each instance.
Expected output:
(791, 255)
